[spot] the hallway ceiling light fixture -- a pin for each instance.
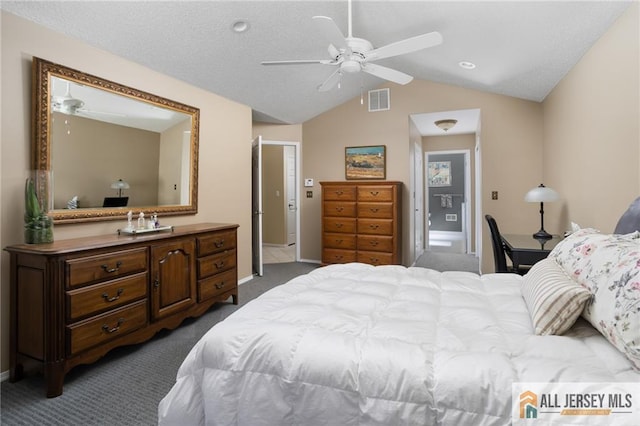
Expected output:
(240, 26)
(446, 124)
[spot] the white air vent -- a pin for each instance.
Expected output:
(379, 100)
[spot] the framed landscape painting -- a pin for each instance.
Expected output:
(365, 162)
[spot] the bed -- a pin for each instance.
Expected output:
(356, 344)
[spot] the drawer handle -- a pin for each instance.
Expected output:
(220, 264)
(339, 209)
(374, 210)
(220, 285)
(374, 260)
(108, 330)
(374, 226)
(339, 241)
(112, 270)
(339, 192)
(373, 243)
(339, 257)
(156, 283)
(106, 297)
(338, 225)
(219, 243)
(374, 193)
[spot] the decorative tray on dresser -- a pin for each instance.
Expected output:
(74, 300)
(361, 222)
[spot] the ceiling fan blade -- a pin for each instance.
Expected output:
(299, 62)
(330, 82)
(387, 73)
(332, 33)
(408, 45)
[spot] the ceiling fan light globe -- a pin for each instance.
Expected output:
(350, 66)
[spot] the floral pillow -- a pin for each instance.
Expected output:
(608, 265)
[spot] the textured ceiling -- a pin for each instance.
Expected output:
(521, 48)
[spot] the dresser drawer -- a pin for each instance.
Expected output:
(339, 241)
(341, 225)
(216, 285)
(339, 209)
(375, 193)
(216, 263)
(87, 301)
(338, 192)
(376, 210)
(375, 258)
(87, 270)
(338, 256)
(97, 330)
(215, 243)
(375, 243)
(375, 226)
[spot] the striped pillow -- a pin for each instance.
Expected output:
(554, 300)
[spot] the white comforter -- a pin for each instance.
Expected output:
(361, 345)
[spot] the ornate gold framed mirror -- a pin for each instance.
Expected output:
(111, 148)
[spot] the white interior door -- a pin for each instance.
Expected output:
(256, 205)
(292, 203)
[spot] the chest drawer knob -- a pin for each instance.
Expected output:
(374, 193)
(374, 226)
(112, 270)
(156, 283)
(219, 243)
(106, 297)
(220, 285)
(110, 330)
(220, 264)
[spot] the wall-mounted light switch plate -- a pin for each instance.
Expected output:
(494, 195)
(309, 194)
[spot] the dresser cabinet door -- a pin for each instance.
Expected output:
(173, 277)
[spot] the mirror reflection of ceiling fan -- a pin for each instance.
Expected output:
(69, 105)
(352, 55)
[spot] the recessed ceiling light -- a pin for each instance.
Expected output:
(240, 26)
(467, 65)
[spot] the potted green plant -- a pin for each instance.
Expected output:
(38, 226)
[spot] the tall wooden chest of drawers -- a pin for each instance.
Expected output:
(361, 222)
(74, 300)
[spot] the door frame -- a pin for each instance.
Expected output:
(466, 208)
(298, 156)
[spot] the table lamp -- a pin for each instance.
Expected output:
(541, 194)
(119, 185)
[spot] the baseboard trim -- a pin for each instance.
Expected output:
(4, 376)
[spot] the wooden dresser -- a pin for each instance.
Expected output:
(74, 300)
(361, 222)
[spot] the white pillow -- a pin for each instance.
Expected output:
(553, 299)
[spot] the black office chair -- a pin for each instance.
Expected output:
(499, 256)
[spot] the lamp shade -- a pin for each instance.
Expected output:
(541, 194)
(119, 184)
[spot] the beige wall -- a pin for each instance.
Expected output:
(88, 155)
(511, 146)
(591, 132)
(225, 148)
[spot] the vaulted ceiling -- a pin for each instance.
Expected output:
(519, 48)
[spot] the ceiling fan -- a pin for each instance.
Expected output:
(352, 55)
(69, 105)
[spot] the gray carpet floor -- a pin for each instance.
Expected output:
(125, 386)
